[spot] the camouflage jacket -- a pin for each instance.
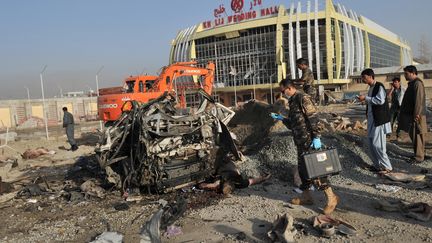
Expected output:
(307, 77)
(307, 82)
(302, 119)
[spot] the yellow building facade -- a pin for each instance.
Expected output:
(254, 47)
(16, 113)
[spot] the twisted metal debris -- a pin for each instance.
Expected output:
(152, 146)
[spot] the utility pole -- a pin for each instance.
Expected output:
(61, 91)
(235, 91)
(43, 102)
(28, 93)
(97, 92)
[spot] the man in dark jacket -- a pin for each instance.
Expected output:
(378, 120)
(68, 124)
(412, 118)
(303, 121)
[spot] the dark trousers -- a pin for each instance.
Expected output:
(418, 142)
(321, 183)
(70, 134)
(394, 116)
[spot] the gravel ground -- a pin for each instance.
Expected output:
(251, 211)
(244, 216)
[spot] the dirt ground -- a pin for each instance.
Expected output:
(59, 214)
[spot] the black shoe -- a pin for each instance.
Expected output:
(74, 147)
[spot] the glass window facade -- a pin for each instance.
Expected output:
(390, 77)
(383, 53)
(303, 41)
(342, 40)
(245, 60)
(427, 75)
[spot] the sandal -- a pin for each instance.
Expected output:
(384, 172)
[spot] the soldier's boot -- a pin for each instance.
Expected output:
(332, 201)
(304, 199)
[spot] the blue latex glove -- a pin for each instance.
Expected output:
(316, 143)
(276, 116)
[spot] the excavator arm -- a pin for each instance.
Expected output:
(167, 80)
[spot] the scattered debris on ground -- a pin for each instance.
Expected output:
(419, 211)
(34, 153)
(66, 197)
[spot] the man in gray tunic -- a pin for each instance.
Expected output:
(378, 120)
(396, 94)
(68, 123)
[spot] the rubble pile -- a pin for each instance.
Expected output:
(268, 145)
(342, 124)
(252, 122)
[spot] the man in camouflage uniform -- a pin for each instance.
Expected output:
(303, 121)
(307, 78)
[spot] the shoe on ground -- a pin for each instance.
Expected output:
(74, 147)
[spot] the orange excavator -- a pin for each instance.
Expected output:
(178, 79)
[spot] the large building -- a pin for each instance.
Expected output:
(254, 46)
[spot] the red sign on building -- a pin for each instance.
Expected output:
(239, 13)
(237, 5)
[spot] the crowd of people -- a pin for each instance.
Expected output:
(402, 108)
(407, 109)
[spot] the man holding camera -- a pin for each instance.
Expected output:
(378, 120)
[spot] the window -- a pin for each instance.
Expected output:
(130, 86)
(390, 77)
(303, 40)
(216, 97)
(247, 97)
(245, 60)
(383, 53)
(357, 80)
(427, 75)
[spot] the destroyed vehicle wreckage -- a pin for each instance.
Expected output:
(152, 147)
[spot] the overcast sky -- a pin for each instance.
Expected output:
(75, 38)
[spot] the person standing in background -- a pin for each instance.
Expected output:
(378, 121)
(307, 79)
(412, 118)
(68, 124)
(396, 95)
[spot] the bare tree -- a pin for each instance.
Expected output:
(424, 50)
